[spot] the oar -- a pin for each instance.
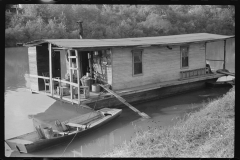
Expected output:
(144, 115)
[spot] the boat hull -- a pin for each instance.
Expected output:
(46, 143)
(220, 84)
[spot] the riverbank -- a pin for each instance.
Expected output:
(208, 132)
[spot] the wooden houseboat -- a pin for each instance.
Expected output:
(138, 69)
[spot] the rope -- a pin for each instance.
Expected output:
(77, 132)
(69, 144)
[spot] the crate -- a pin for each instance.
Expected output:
(84, 92)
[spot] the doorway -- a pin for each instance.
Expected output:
(84, 63)
(56, 65)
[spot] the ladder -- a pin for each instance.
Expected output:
(71, 70)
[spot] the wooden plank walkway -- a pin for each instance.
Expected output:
(165, 84)
(95, 96)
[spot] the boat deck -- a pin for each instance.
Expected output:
(93, 97)
(166, 83)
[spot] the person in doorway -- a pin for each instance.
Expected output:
(209, 68)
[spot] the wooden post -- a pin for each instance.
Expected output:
(205, 54)
(50, 68)
(144, 115)
(78, 75)
(90, 63)
(70, 73)
(224, 63)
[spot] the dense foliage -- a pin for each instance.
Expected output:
(38, 21)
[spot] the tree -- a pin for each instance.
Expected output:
(116, 21)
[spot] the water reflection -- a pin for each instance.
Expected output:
(164, 112)
(16, 68)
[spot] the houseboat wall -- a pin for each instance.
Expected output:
(38, 64)
(159, 64)
(230, 55)
(64, 66)
(42, 63)
(102, 66)
(32, 57)
(149, 95)
(215, 52)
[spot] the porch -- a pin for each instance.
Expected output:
(103, 96)
(68, 74)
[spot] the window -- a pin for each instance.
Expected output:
(137, 62)
(184, 56)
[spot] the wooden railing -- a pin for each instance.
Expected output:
(194, 73)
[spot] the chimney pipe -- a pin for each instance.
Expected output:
(80, 29)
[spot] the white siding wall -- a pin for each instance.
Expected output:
(159, 64)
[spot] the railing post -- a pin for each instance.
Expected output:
(224, 63)
(50, 68)
(70, 72)
(78, 74)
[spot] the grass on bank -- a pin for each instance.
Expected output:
(205, 133)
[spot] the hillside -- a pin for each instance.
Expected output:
(206, 133)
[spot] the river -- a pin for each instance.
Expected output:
(19, 103)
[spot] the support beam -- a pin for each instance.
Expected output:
(205, 45)
(78, 75)
(224, 63)
(214, 60)
(59, 48)
(50, 67)
(90, 64)
(70, 73)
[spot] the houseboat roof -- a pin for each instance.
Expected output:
(127, 42)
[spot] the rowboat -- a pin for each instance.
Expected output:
(47, 137)
(222, 81)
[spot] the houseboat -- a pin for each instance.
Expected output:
(137, 69)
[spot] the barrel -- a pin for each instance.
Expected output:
(95, 88)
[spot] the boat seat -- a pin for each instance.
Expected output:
(61, 133)
(76, 125)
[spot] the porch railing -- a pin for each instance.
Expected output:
(60, 81)
(194, 73)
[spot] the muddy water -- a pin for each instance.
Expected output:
(19, 103)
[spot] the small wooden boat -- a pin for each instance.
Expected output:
(222, 81)
(225, 72)
(34, 141)
(218, 84)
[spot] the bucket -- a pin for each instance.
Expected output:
(48, 132)
(95, 88)
(87, 82)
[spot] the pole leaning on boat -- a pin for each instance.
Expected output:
(142, 114)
